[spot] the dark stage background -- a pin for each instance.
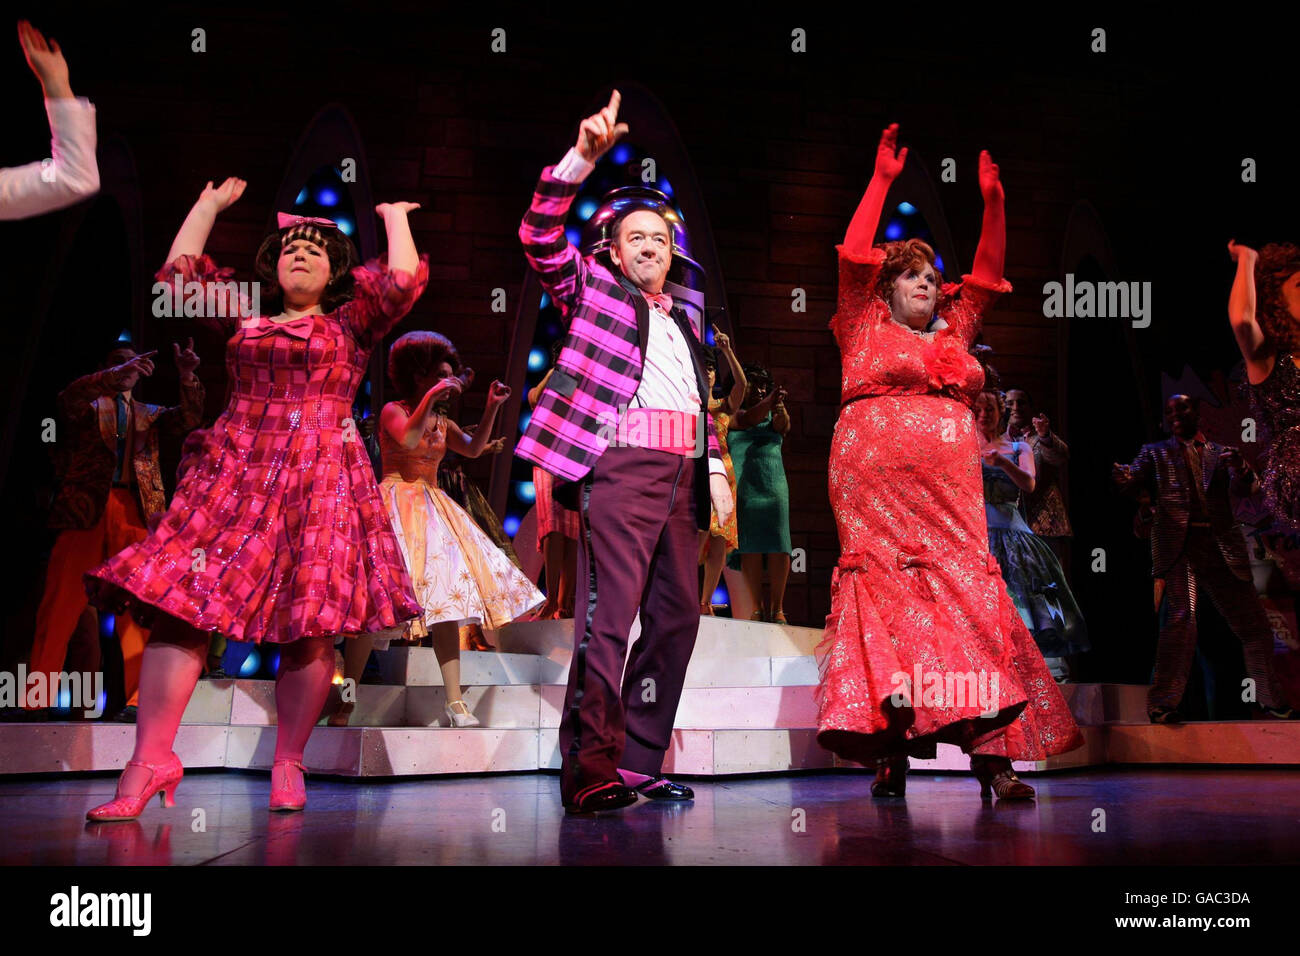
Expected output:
(1125, 164)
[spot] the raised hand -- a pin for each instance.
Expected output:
(990, 181)
(498, 393)
(1122, 475)
(186, 361)
(599, 131)
(118, 376)
(1042, 425)
(445, 388)
(1236, 250)
(46, 61)
(720, 339)
(889, 158)
(223, 196)
(495, 447)
(386, 209)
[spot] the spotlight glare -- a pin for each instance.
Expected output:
(510, 525)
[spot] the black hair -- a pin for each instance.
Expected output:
(340, 252)
(415, 355)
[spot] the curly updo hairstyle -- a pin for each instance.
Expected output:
(899, 257)
(1277, 262)
(416, 355)
(342, 257)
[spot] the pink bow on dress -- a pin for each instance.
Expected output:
(299, 328)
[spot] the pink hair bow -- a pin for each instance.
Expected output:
(285, 220)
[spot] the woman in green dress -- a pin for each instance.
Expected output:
(762, 495)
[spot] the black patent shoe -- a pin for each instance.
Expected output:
(891, 777)
(664, 789)
(601, 796)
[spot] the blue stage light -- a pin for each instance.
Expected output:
(107, 623)
(345, 225)
(125, 336)
(302, 197)
(525, 491)
(586, 208)
(524, 417)
(251, 663)
(327, 197)
(938, 262)
(720, 595)
(546, 300)
(510, 525)
(274, 661)
(536, 360)
(894, 231)
(906, 208)
(665, 187)
(573, 235)
(620, 155)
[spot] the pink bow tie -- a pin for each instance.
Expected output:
(285, 220)
(299, 328)
(663, 300)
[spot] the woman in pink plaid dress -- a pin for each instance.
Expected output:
(277, 531)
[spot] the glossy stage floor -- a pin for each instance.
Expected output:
(1189, 816)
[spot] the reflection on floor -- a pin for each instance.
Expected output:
(1111, 816)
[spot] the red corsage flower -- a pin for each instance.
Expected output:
(946, 362)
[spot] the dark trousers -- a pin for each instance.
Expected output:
(639, 547)
(1202, 568)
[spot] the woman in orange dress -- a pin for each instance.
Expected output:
(457, 573)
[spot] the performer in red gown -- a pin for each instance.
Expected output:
(923, 643)
(277, 531)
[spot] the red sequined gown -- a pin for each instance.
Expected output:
(915, 586)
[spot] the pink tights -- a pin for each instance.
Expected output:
(173, 662)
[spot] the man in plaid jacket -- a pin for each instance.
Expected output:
(630, 365)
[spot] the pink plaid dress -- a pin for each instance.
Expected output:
(277, 530)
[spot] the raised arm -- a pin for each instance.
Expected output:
(472, 446)
(889, 163)
(193, 234)
(408, 430)
(991, 254)
(558, 264)
(1254, 345)
(401, 244)
(739, 383)
(70, 174)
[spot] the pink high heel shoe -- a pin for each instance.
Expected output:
(163, 779)
(288, 797)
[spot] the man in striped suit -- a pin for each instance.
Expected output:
(630, 365)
